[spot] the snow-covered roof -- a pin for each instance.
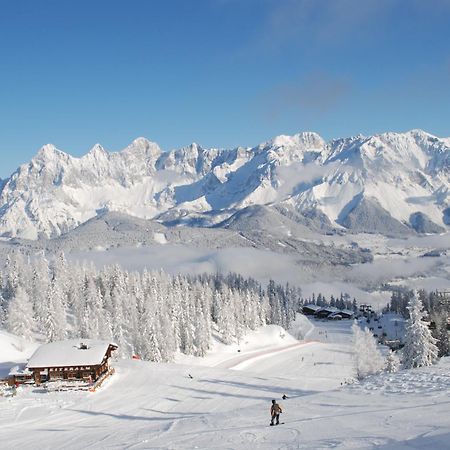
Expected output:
(330, 309)
(312, 307)
(20, 370)
(74, 352)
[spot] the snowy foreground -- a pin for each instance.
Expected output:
(226, 402)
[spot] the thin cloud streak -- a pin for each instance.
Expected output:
(312, 23)
(316, 93)
(321, 21)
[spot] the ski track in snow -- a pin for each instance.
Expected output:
(158, 406)
(244, 361)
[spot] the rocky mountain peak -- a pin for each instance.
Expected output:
(398, 176)
(48, 153)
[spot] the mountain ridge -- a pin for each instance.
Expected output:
(400, 176)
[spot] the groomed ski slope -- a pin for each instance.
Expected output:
(159, 406)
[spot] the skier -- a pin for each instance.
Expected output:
(275, 411)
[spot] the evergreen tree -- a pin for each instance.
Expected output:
(392, 362)
(186, 318)
(118, 326)
(14, 265)
(367, 357)
(225, 319)
(202, 332)
(3, 310)
(332, 301)
(250, 307)
(420, 346)
(20, 314)
(274, 304)
(441, 334)
(238, 315)
(40, 285)
(55, 322)
(167, 323)
(264, 308)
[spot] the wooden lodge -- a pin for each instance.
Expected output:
(310, 310)
(341, 314)
(327, 312)
(72, 360)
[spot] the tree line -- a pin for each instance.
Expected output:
(150, 313)
(342, 301)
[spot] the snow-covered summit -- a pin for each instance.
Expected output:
(376, 183)
(307, 140)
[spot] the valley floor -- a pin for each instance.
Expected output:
(225, 403)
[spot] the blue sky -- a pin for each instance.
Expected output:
(218, 72)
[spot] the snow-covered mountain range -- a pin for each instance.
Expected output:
(392, 183)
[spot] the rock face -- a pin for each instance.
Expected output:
(366, 215)
(446, 216)
(393, 183)
(422, 224)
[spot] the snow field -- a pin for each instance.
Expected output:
(159, 406)
(13, 350)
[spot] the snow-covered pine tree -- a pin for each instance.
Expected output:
(135, 295)
(20, 314)
(236, 304)
(56, 321)
(225, 315)
(150, 344)
(367, 357)
(443, 337)
(105, 289)
(276, 315)
(39, 286)
(441, 333)
(166, 322)
(264, 308)
(202, 329)
(153, 344)
(392, 362)
(61, 272)
(92, 319)
(154, 339)
(420, 346)
(250, 310)
(13, 268)
(293, 300)
(118, 294)
(3, 310)
(129, 307)
(187, 318)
